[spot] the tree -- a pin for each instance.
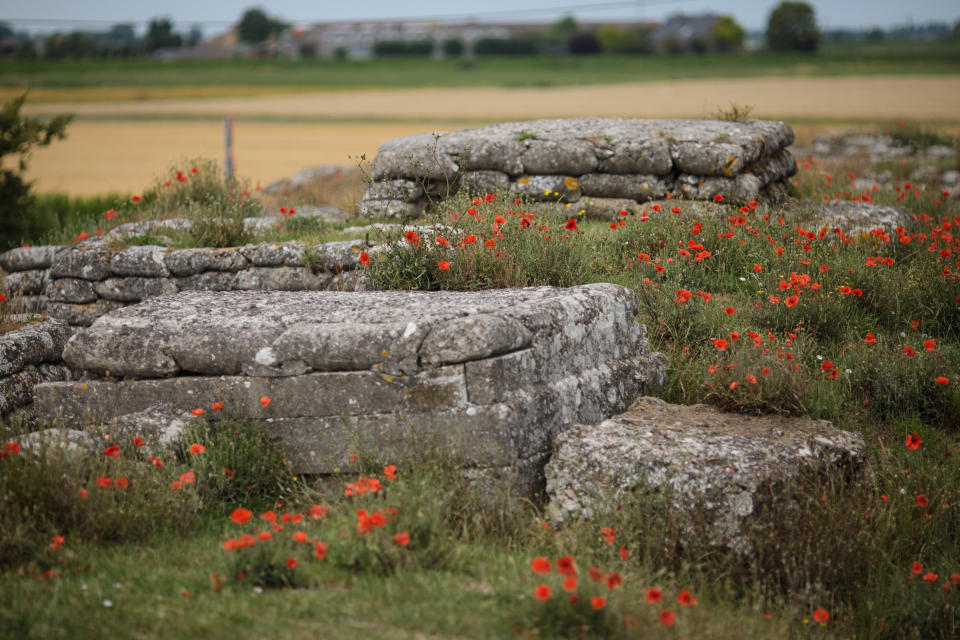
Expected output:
(255, 27)
(160, 35)
(793, 27)
(584, 43)
(611, 38)
(560, 33)
(18, 136)
(728, 35)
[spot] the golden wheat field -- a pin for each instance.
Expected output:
(121, 144)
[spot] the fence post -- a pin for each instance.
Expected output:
(228, 148)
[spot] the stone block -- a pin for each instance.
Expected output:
(32, 344)
(31, 281)
(280, 279)
(481, 182)
(85, 262)
(70, 290)
(639, 187)
(392, 209)
(209, 281)
(720, 464)
(26, 258)
(188, 262)
(488, 377)
(286, 254)
(547, 188)
(571, 157)
(80, 315)
(134, 289)
(144, 261)
(405, 190)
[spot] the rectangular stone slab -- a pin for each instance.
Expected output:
(276, 333)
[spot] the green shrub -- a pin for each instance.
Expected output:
(18, 137)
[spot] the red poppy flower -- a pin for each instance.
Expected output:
(542, 592)
(570, 583)
(412, 238)
(608, 534)
(916, 568)
(730, 311)
(402, 538)
(196, 448)
(922, 500)
(614, 580)
(566, 566)
(943, 380)
(667, 618)
(624, 554)
(198, 411)
(598, 602)
(654, 595)
(827, 365)
(299, 536)
(216, 406)
(686, 599)
(870, 338)
(909, 351)
(121, 483)
(540, 565)
(320, 550)
(720, 343)
(791, 301)
(104, 482)
(241, 515)
(930, 345)
(112, 451)
(443, 265)
(291, 563)
(930, 577)
(157, 462)
(718, 198)
(821, 615)
(364, 258)
(913, 441)
(136, 198)
(264, 401)
(595, 574)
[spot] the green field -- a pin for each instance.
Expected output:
(913, 58)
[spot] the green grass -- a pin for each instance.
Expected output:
(939, 58)
(846, 544)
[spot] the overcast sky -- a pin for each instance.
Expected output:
(216, 15)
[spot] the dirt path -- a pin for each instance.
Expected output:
(125, 155)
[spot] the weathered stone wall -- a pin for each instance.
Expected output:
(486, 379)
(580, 161)
(29, 356)
(79, 283)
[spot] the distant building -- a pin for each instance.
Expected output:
(358, 39)
(683, 33)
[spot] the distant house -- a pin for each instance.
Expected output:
(358, 39)
(685, 33)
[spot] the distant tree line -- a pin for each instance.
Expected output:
(791, 26)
